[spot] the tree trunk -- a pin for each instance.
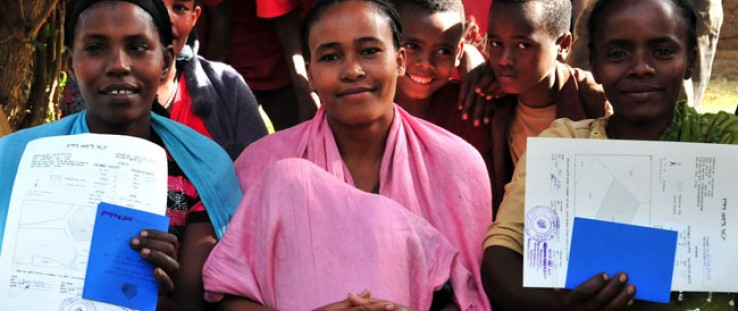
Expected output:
(29, 78)
(4, 127)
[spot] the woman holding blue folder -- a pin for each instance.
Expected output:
(119, 52)
(641, 51)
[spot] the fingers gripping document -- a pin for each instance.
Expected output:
(686, 187)
(60, 181)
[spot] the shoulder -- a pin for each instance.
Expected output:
(566, 128)
(269, 149)
(583, 80)
(174, 132)
(57, 128)
(720, 127)
(219, 71)
(580, 76)
(13, 145)
(581, 83)
(440, 144)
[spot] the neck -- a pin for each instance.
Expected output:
(362, 149)
(622, 129)
(416, 107)
(140, 129)
(542, 94)
(167, 86)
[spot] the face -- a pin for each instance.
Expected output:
(433, 45)
(118, 62)
(184, 15)
(354, 66)
(521, 50)
(641, 66)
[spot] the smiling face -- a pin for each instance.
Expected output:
(118, 62)
(354, 65)
(521, 50)
(433, 45)
(641, 57)
(183, 15)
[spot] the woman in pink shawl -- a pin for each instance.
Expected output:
(363, 196)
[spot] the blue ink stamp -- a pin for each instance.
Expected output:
(542, 223)
(542, 227)
(129, 290)
(76, 304)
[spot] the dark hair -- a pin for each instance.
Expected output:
(383, 6)
(155, 8)
(556, 14)
(684, 10)
(435, 6)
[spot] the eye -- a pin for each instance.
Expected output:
(411, 46)
(616, 55)
(664, 53)
(524, 45)
(181, 7)
(139, 47)
(327, 58)
(93, 48)
(494, 44)
(445, 52)
(370, 51)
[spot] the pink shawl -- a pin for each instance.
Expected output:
(434, 176)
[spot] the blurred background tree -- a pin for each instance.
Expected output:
(31, 62)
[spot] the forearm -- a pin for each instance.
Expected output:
(502, 275)
(199, 239)
(166, 304)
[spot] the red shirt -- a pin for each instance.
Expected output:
(184, 205)
(254, 48)
(444, 112)
(183, 112)
(277, 8)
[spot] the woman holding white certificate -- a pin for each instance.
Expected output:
(641, 51)
(119, 52)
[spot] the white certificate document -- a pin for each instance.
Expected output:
(59, 184)
(687, 187)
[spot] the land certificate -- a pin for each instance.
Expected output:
(687, 187)
(59, 184)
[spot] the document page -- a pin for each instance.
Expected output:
(59, 184)
(686, 187)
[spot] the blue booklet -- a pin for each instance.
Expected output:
(645, 254)
(116, 273)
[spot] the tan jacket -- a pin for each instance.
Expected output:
(579, 97)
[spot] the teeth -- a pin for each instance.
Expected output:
(420, 80)
(120, 92)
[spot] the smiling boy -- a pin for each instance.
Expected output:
(432, 39)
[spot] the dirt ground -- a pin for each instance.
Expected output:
(722, 91)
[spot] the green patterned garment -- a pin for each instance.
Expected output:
(690, 126)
